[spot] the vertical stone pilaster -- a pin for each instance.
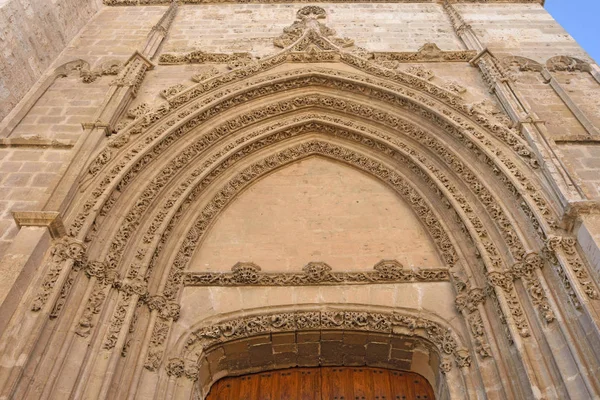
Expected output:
(159, 32)
(564, 184)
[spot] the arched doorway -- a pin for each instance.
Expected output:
(324, 383)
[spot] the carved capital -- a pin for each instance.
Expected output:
(65, 249)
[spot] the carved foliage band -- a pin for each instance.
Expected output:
(62, 251)
(390, 323)
(315, 273)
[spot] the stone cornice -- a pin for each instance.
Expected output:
(50, 219)
(167, 2)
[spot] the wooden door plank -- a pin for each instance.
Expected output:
(326, 383)
(249, 386)
(310, 384)
(362, 381)
(422, 388)
(399, 385)
(265, 386)
(381, 384)
(288, 385)
(225, 389)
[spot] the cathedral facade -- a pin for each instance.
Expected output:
(197, 192)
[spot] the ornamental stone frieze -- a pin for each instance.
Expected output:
(315, 273)
(396, 323)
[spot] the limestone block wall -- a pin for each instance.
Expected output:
(527, 30)
(289, 219)
(113, 34)
(544, 101)
(582, 88)
(585, 161)
(252, 27)
(32, 35)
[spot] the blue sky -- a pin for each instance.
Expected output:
(581, 18)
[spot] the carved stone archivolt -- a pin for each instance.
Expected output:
(314, 273)
(447, 342)
(151, 195)
(128, 229)
(113, 260)
(453, 169)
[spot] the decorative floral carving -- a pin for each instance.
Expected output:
(172, 91)
(112, 67)
(455, 87)
(92, 308)
(63, 250)
(117, 320)
(478, 331)
(176, 367)
(504, 281)
(421, 72)
(527, 271)
(521, 64)
(315, 273)
(200, 57)
(307, 25)
(567, 64)
(565, 248)
(429, 52)
(390, 323)
(205, 74)
(156, 346)
(138, 111)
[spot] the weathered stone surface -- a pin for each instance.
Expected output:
(348, 152)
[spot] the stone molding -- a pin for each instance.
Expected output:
(50, 219)
(35, 141)
(428, 53)
(396, 323)
(315, 274)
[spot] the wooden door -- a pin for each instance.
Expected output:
(326, 383)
